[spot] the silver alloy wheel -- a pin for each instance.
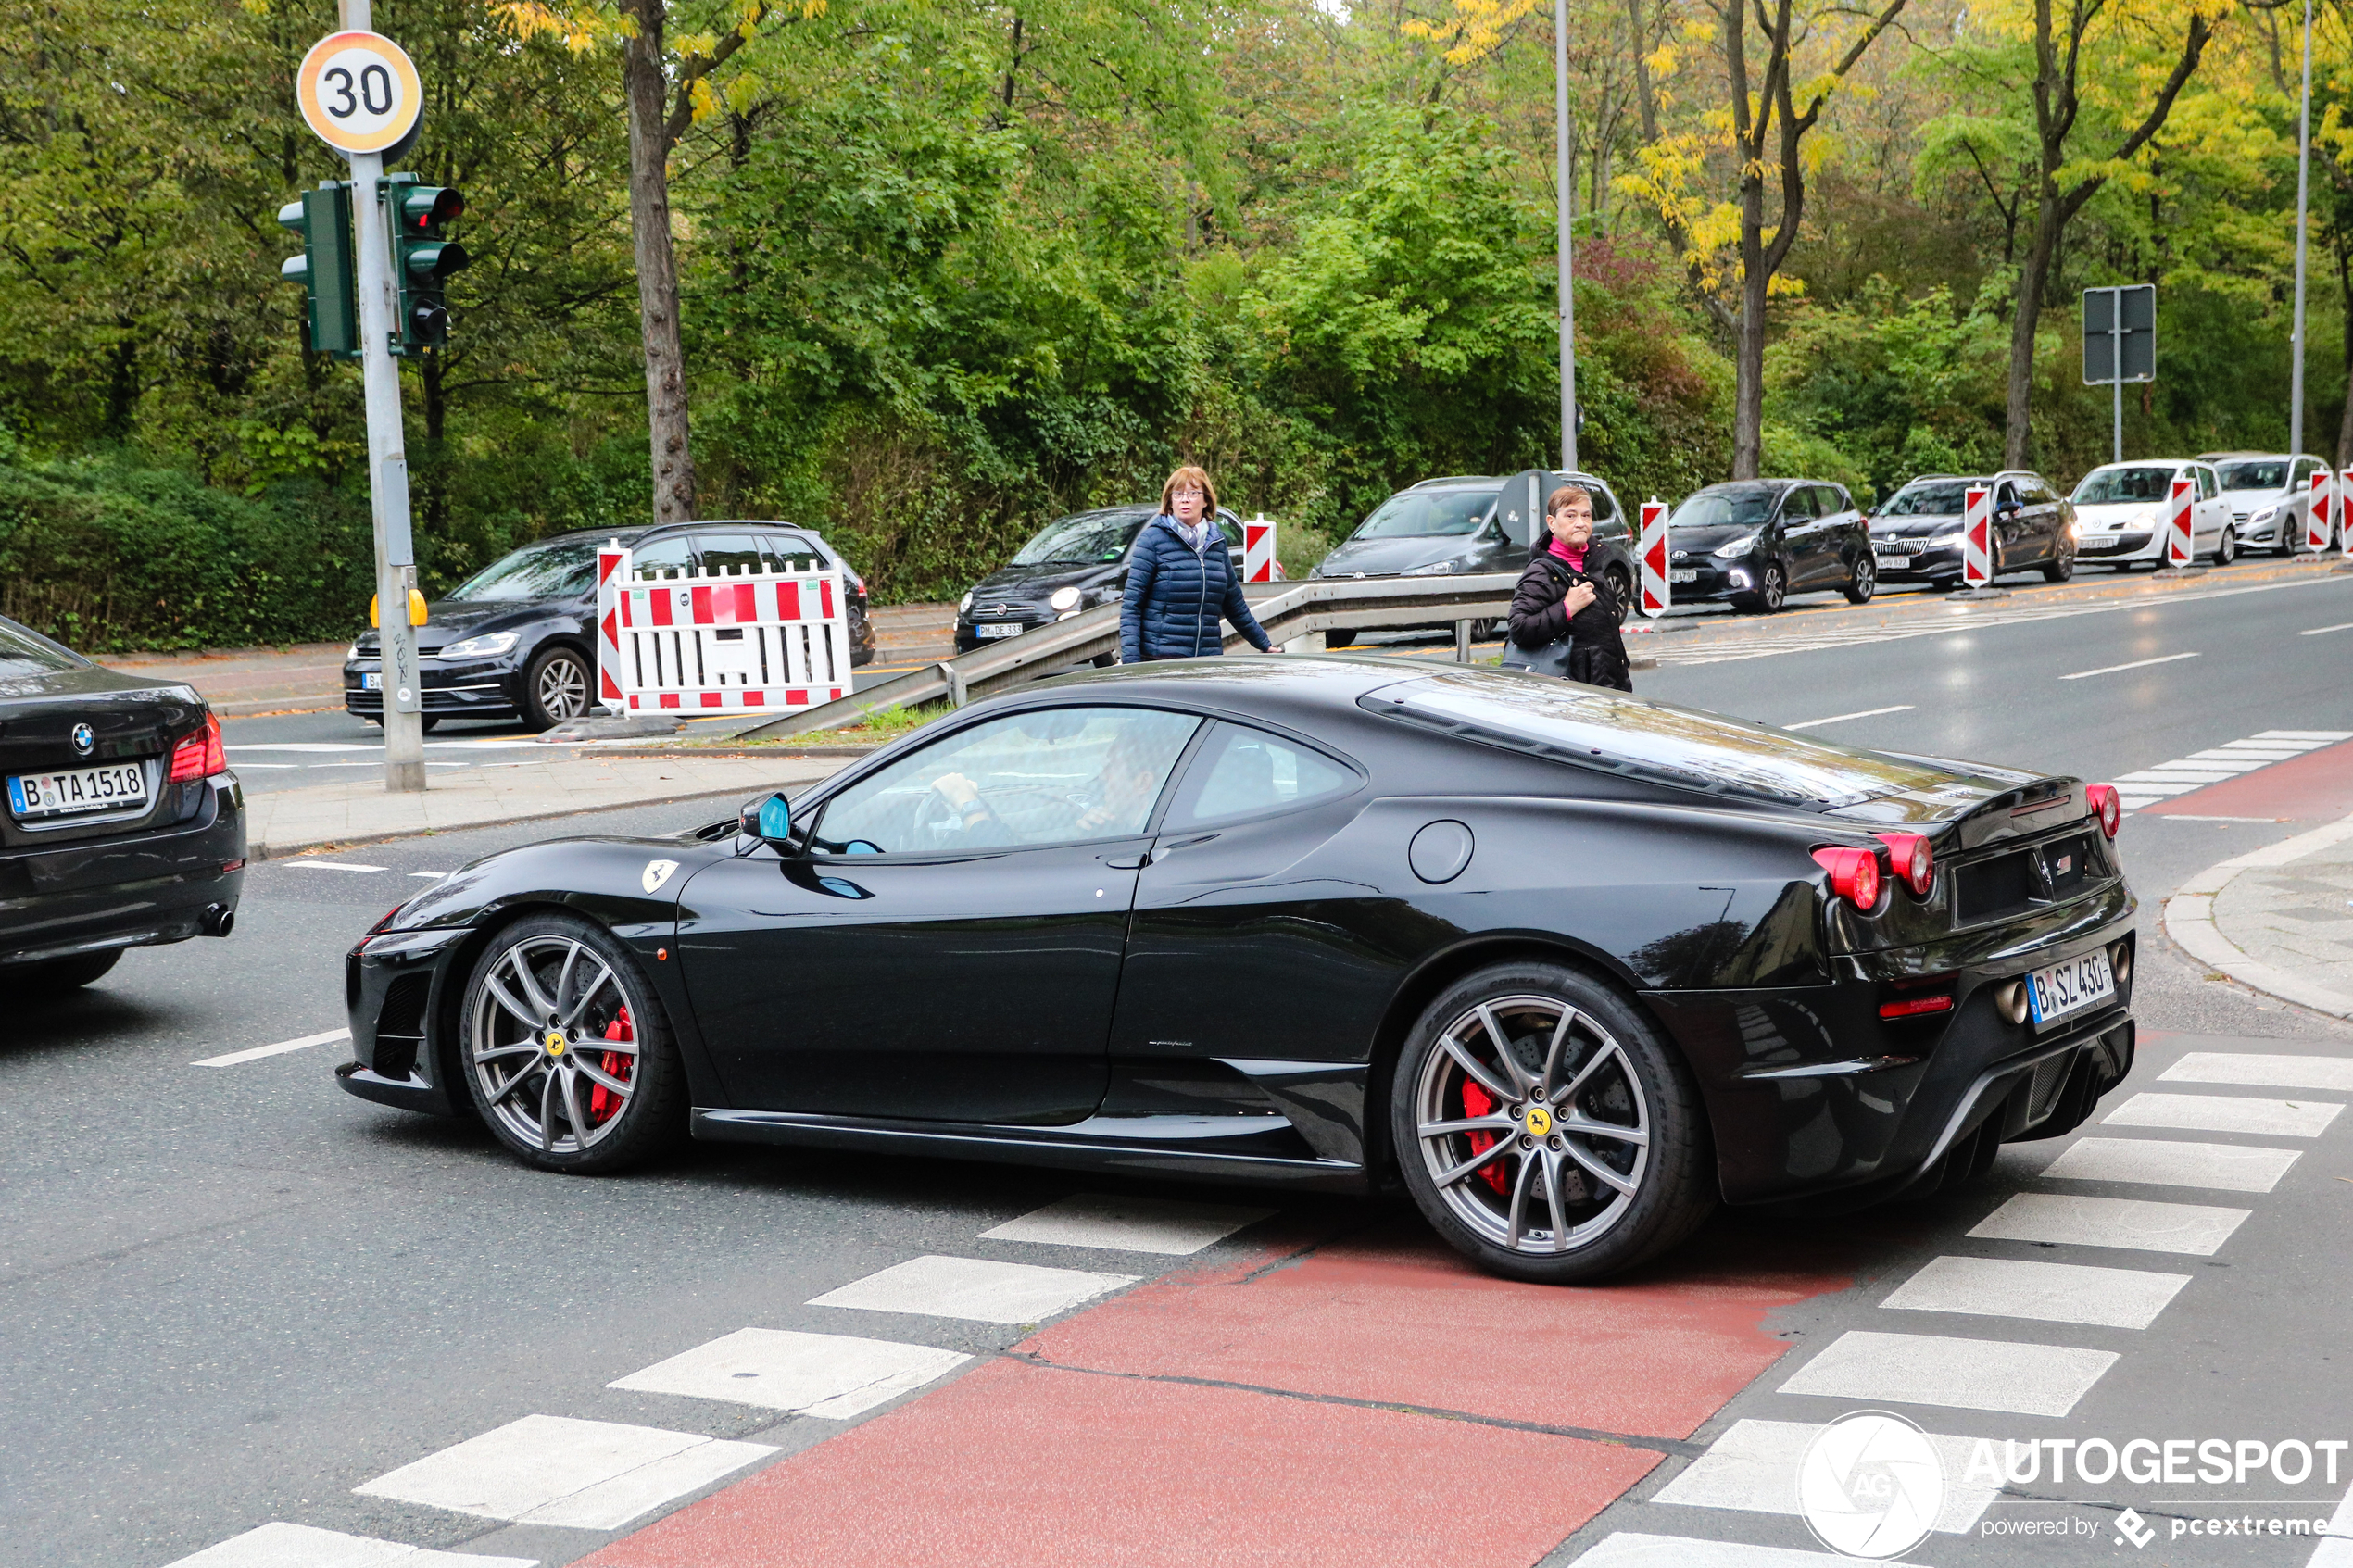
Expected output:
(562, 690)
(1524, 1096)
(532, 1034)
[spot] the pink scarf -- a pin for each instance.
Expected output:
(1576, 559)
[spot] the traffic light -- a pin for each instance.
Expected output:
(424, 257)
(324, 269)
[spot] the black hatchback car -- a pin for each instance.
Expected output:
(1753, 542)
(1072, 564)
(123, 827)
(1917, 536)
(517, 639)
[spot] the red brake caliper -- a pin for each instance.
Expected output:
(602, 1102)
(1479, 1102)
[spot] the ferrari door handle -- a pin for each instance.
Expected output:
(1135, 863)
(1188, 843)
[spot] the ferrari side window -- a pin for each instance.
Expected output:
(1244, 773)
(1048, 776)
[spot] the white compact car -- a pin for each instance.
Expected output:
(2263, 491)
(2121, 509)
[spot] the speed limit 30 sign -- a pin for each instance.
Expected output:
(358, 91)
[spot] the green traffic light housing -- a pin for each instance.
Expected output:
(424, 258)
(325, 268)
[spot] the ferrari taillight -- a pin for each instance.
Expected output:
(198, 755)
(1914, 860)
(1854, 875)
(2105, 806)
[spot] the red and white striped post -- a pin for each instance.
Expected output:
(2178, 544)
(613, 570)
(2315, 509)
(1977, 536)
(1259, 564)
(1652, 546)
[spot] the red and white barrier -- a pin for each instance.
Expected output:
(1977, 536)
(1651, 546)
(1259, 564)
(2345, 513)
(2179, 543)
(2317, 504)
(711, 642)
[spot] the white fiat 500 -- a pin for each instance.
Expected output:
(2121, 510)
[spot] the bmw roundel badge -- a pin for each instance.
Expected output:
(84, 737)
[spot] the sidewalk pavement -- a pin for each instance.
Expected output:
(304, 678)
(287, 822)
(2279, 919)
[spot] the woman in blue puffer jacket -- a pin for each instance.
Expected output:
(1180, 579)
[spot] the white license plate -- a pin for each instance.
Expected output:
(372, 682)
(996, 629)
(1682, 574)
(1895, 563)
(2068, 988)
(84, 789)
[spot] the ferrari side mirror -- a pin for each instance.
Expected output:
(769, 817)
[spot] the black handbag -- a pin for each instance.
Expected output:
(1552, 659)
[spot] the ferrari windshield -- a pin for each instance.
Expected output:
(1427, 514)
(560, 569)
(1727, 505)
(2112, 487)
(1085, 538)
(1679, 745)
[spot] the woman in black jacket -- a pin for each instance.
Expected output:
(1559, 599)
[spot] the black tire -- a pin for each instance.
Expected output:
(1622, 584)
(2226, 548)
(1863, 581)
(2061, 566)
(1340, 637)
(58, 977)
(1625, 1075)
(557, 688)
(2290, 537)
(1773, 590)
(531, 1107)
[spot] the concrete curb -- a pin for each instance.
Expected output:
(2189, 921)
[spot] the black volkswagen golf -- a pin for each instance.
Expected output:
(1753, 542)
(517, 639)
(1568, 966)
(124, 826)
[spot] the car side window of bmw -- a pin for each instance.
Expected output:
(1056, 776)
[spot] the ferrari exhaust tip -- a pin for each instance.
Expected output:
(217, 919)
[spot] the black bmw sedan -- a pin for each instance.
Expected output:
(124, 826)
(1753, 542)
(1917, 536)
(1570, 966)
(517, 639)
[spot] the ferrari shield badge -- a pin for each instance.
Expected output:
(656, 873)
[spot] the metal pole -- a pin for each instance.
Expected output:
(1567, 207)
(2303, 187)
(387, 463)
(2116, 368)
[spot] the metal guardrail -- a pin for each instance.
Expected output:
(1289, 611)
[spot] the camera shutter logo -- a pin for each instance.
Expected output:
(1871, 1486)
(84, 739)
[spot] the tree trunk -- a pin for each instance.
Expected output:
(642, 78)
(2032, 278)
(2345, 294)
(1748, 354)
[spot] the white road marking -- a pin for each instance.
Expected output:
(2130, 1224)
(2136, 664)
(1127, 1225)
(1843, 718)
(2340, 626)
(2287, 1072)
(281, 1545)
(2224, 1113)
(331, 866)
(973, 1288)
(2336, 1552)
(2307, 734)
(1626, 1548)
(2162, 1162)
(1754, 1467)
(2001, 1287)
(256, 1053)
(834, 1375)
(553, 1470)
(2193, 817)
(301, 745)
(1929, 1369)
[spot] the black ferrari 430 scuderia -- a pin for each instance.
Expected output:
(1572, 966)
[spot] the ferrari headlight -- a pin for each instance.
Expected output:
(488, 646)
(1435, 569)
(1739, 546)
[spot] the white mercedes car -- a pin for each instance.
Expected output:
(2121, 509)
(2264, 491)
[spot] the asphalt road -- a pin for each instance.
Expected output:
(234, 1294)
